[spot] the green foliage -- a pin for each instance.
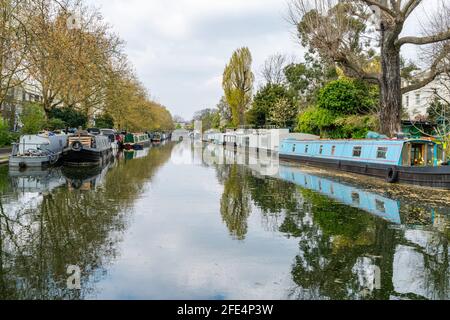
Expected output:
(5, 135)
(305, 79)
(337, 219)
(315, 120)
(71, 117)
(105, 121)
(347, 96)
(210, 118)
(33, 119)
(56, 124)
(327, 124)
(264, 100)
(237, 84)
(356, 126)
(283, 113)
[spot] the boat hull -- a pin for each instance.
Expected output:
(86, 157)
(29, 162)
(436, 177)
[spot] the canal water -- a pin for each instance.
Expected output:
(182, 221)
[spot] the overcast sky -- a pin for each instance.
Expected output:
(180, 47)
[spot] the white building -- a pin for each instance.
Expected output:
(417, 102)
(16, 98)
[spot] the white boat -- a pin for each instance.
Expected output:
(39, 150)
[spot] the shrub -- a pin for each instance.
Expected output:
(5, 135)
(56, 124)
(33, 119)
(347, 96)
(315, 120)
(71, 117)
(104, 121)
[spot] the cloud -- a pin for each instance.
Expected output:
(179, 48)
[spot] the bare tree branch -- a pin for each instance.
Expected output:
(383, 7)
(425, 40)
(410, 7)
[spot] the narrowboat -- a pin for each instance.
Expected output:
(136, 141)
(39, 150)
(419, 162)
(156, 137)
(87, 149)
(267, 140)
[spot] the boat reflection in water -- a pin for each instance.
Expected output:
(136, 154)
(61, 217)
(85, 179)
(373, 203)
(355, 240)
(36, 180)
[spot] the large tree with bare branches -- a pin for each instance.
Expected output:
(340, 32)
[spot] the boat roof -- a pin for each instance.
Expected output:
(365, 141)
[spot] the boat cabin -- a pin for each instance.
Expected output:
(405, 153)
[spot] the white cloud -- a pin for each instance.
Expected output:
(180, 47)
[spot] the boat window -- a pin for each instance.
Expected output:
(357, 151)
(294, 147)
(306, 149)
(430, 155)
(380, 205)
(321, 150)
(417, 155)
(333, 150)
(356, 198)
(382, 153)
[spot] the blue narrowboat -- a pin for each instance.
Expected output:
(419, 162)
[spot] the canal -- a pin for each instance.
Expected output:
(181, 221)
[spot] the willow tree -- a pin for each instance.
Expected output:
(237, 84)
(340, 32)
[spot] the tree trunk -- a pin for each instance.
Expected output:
(390, 90)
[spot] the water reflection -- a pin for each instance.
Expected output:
(353, 243)
(52, 219)
(173, 222)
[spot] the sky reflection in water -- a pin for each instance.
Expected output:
(165, 224)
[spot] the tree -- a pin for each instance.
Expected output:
(305, 79)
(104, 121)
(224, 111)
(72, 118)
(56, 124)
(33, 119)
(264, 101)
(273, 69)
(210, 119)
(338, 32)
(347, 96)
(72, 66)
(14, 39)
(237, 83)
(283, 113)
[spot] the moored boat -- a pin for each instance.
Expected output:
(418, 162)
(156, 137)
(39, 150)
(136, 141)
(87, 149)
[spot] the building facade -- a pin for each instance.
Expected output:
(416, 103)
(17, 97)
